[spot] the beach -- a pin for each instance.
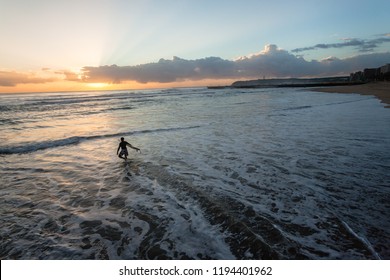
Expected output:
(380, 90)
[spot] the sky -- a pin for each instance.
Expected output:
(78, 45)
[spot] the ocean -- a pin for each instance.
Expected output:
(222, 174)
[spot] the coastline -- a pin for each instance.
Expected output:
(380, 90)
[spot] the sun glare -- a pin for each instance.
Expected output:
(97, 85)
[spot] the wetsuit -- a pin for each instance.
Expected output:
(123, 147)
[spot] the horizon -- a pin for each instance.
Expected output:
(164, 88)
(67, 46)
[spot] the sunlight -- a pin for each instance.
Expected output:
(97, 85)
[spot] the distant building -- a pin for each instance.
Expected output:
(385, 72)
(372, 74)
(357, 76)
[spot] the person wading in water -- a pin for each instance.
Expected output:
(123, 147)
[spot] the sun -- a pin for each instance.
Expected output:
(97, 85)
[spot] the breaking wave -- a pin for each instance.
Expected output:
(33, 147)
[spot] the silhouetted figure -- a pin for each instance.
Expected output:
(123, 147)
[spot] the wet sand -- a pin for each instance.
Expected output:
(380, 90)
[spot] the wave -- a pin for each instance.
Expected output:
(36, 104)
(297, 108)
(321, 105)
(33, 147)
(363, 240)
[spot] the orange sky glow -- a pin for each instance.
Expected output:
(51, 46)
(38, 82)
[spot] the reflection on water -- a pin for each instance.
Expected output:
(253, 174)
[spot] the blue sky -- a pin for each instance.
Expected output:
(45, 40)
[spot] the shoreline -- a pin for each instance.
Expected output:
(380, 90)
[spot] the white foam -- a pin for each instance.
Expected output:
(290, 156)
(363, 240)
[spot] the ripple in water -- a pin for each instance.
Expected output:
(255, 174)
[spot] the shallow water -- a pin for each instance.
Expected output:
(226, 174)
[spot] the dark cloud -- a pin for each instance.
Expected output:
(360, 44)
(270, 62)
(163, 71)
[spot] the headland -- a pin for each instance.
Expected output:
(373, 81)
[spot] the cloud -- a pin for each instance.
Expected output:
(274, 62)
(12, 78)
(270, 62)
(361, 44)
(69, 75)
(163, 71)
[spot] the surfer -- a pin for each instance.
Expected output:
(123, 147)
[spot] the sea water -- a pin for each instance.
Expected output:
(222, 174)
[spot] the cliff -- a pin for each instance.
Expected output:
(331, 81)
